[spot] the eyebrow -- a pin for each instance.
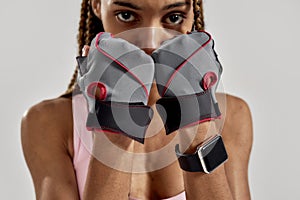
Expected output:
(127, 4)
(167, 7)
(177, 4)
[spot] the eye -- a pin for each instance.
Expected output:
(126, 16)
(175, 19)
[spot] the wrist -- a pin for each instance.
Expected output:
(193, 136)
(209, 155)
(113, 150)
(104, 141)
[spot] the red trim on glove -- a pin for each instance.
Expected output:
(101, 130)
(202, 121)
(119, 63)
(182, 64)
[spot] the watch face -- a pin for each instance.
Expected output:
(213, 154)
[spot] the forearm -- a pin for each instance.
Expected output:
(199, 185)
(103, 180)
(207, 186)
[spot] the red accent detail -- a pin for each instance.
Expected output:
(101, 130)
(183, 63)
(107, 131)
(89, 128)
(202, 121)
(119, 63)
(209, 79)
(92, 88)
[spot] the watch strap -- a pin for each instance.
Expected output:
(189, 162)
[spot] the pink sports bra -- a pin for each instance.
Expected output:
(82, 141)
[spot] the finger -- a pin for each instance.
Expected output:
(85, 50)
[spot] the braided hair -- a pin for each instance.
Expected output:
(90, 25)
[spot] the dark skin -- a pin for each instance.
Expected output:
(47, 138)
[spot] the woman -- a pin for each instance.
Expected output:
(48, 129)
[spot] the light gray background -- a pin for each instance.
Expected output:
(258, 44)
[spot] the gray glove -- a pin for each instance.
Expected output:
(187, 73)
(116, 79)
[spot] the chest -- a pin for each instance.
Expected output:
(156, 172)
(160, 184)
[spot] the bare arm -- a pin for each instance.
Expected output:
(230, 180)
(45, 131)
(107, 182)
(199, 185)
(238, 138)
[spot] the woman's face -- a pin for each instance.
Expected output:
(128, 15)
(121, 15)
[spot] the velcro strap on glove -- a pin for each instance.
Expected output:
(181, 111)
(130, 119)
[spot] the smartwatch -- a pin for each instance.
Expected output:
(208, 156)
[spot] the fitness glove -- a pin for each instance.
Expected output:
(116, 79)
(187, 73)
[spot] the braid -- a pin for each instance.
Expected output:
(198, 15)
(82, 25)
(94, 26)
(89, 26)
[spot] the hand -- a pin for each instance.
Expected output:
(187, 73)
(116, 77)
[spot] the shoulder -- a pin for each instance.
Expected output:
(47, 141)
(234, 107)
(238, 120)
(49, 114)
(48, 123)
(49, 105)
(237, 109)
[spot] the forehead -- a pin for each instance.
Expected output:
(148, 4)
